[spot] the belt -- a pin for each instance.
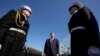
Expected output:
(77, 28)
(18, 30)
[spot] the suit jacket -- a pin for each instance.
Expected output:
(54, 47)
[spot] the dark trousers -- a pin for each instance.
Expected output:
(7, 46)
(17, 49)
(50, 53)
(79, 43)
(12, 47)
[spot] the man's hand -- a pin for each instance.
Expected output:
(57, 54)
(0, 46)
(44, 54)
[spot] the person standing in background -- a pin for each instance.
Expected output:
(51, 46)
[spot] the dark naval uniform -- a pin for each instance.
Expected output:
(13, 31)
(84, 32)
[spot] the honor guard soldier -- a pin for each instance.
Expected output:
(13, 31)
(84, 31)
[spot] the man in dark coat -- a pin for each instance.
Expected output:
(84, 30)
(13, 31)
(51, 46)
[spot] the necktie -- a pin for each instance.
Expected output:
(51, 41)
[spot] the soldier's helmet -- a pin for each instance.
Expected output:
(75, 4)
(25, 7)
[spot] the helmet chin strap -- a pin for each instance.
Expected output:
(74, 12)
(26, 17)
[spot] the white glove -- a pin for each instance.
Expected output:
(0, 46)
(93, 51)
